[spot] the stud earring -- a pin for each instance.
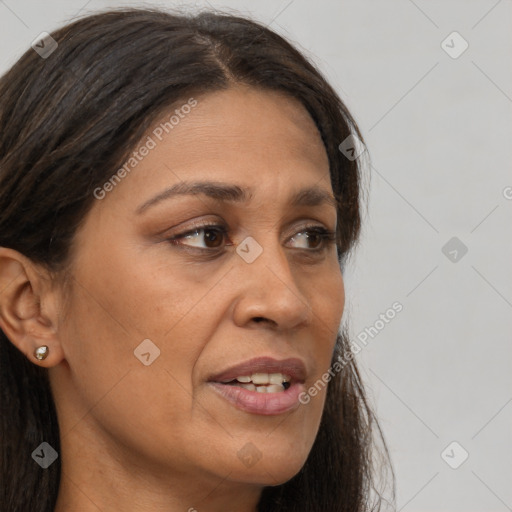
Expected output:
(41, 352)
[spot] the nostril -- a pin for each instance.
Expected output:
(259, 319)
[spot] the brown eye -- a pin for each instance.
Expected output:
(202, 237)
(318, 236)
(315, 237)
(213, 238)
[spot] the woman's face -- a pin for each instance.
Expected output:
(207, 302)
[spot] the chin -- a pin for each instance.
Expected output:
(263, 478)
(269, 467)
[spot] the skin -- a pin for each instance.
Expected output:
(156, 437)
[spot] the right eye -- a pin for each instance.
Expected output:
(212, 234)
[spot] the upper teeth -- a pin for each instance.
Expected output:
(264, 378)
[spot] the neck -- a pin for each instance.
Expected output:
(102, 485)
(99, 476)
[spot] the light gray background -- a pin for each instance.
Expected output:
(438, 131)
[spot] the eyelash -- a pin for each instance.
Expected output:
(327, 236)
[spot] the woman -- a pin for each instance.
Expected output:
(175, 217)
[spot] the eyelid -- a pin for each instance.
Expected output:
(328, 236)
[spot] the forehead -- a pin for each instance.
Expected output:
(243, 120)
(263, 139)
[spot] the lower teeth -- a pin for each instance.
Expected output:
(272, 388)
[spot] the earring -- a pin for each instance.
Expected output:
(41, 352)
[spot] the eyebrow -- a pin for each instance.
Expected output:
(226, 192)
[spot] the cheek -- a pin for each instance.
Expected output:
(138, 405)
(113, 310)
(335, 288)
(328, 303)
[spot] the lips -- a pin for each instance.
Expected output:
(293, 367)
(253, 401)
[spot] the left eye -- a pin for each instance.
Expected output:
(214, 235)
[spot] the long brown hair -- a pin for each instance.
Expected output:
(67, 122)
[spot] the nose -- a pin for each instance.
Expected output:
(267, 287)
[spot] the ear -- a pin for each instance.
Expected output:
(29, 307)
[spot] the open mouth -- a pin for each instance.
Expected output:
(262, 382)
(262, 385)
